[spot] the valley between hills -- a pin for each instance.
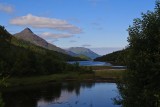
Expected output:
(26, 55)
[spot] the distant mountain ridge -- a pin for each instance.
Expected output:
(84, 51)
(29, 36)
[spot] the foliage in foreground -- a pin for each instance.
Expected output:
(140, 86)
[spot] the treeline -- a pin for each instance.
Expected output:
(115, 58)
(27, 59)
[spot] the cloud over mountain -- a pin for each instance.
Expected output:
(6, 8)
(86, 45)
(72, 41)
(45, 22)
(49, 35)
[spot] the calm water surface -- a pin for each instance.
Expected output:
(96, 63)
(90, 63)
(61, 95)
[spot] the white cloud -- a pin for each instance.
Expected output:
(72, 41)
(52, 40)
(6, 8)
(49, 35)
(44, 22)
(86, 45)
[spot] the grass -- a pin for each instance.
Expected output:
(101, 67)
(110, 73)
(72, 76)
(15, 81)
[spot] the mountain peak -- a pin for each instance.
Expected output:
(27, 30)
(31, 37)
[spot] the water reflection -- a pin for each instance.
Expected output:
(61, 95)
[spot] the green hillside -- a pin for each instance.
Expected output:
(84, 57)
(41, 50)
(20, 58)
(83, 51)
(115, 58)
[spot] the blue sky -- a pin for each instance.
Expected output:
(95, 24)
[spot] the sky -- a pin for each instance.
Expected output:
(100, 25)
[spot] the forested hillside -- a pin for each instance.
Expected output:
(116, 58)
(20, 58)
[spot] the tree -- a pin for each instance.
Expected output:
(140, 86)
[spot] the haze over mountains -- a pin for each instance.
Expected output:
(28, 35)
(83, 51)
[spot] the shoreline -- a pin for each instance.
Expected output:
(97, 76)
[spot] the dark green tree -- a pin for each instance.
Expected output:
(141, 84)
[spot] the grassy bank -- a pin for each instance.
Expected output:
(105, 75)
(110, 73)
